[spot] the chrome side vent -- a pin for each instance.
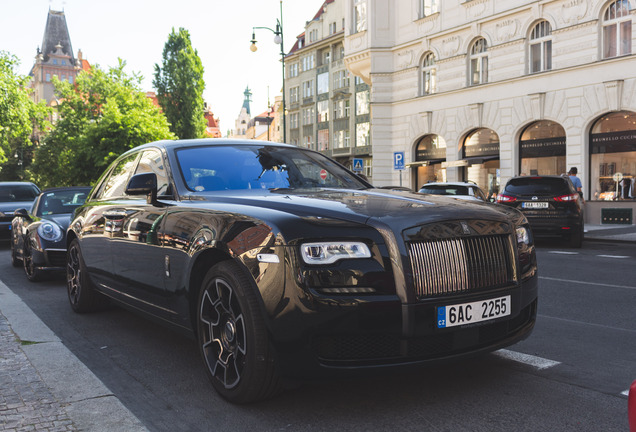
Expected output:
(455, 265)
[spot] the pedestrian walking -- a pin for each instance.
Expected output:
(576, 181)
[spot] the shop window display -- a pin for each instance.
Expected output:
(430, 151)
(613, 157)
(542, 149)
(481, 151)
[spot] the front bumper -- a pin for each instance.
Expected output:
(356, 335)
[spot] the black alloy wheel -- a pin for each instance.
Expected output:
(30, 270)
(81, 294)
(232, 337)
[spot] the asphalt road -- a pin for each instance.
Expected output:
(568, 376)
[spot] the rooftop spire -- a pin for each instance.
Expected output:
(248, 99)
(56, 33)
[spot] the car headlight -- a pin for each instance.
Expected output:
(50, 231)
(523, 235)
(330, 252)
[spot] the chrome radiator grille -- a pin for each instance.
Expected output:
(455, 265)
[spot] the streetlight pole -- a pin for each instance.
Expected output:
(278, 39)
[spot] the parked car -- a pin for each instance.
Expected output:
(284, 264)
(550, 203)
(14, 195)
(38, 242)
(461, 190)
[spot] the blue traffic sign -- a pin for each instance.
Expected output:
(358, 165)
(398, 161)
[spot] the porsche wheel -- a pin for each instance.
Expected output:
(232, 337)
(30, 270)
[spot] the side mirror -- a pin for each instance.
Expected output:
(21, 212)
(143, 184)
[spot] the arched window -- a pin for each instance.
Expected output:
(479, 62)
(541, 47)
(429, 75)
(617, 29)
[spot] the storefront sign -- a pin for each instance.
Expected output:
(424, 154)
(543, 147)
(613, 142)
(491, 149)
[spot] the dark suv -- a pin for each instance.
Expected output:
(551, 204)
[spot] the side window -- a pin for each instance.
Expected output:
(151, 161)
(116, 183)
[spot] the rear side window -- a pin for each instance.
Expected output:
(539, 186)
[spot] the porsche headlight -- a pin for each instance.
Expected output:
(50, 231)
(330, 252)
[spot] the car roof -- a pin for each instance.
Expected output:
(65, 188)
(16, 183)
(172, 144)
(450, 184)
(540, 176)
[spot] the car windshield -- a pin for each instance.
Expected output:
(17, 193)
(61, 201)
(216, 168)
(445, 190)
(538, 186)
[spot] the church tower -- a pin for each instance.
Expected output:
(55, 58)
(242, 122)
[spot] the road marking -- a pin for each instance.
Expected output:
(587, 283)
(625, 393)
(564, 252)
(613, 256)
(534, 361)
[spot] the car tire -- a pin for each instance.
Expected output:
(15, 262)
(232, 337)
(81, 294)
(32, 273)
(576, 238)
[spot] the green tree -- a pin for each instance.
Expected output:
(179, 84)
(102, 115)
(20, 118)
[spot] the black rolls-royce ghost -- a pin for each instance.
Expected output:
(282, 263)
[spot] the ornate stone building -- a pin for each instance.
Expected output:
(55, 58)
(483, 90)
(327, 109)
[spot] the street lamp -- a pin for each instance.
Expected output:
(278, 39)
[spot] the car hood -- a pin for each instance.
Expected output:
(399, 210)
(63, 220)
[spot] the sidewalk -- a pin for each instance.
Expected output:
(612, 233)
(43, 386)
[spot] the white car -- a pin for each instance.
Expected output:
(462, 190)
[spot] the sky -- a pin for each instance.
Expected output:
(136, 31)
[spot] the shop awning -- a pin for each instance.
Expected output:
(425, 163)
(475, 160)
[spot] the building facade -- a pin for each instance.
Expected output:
(484, 90)
(328, 110)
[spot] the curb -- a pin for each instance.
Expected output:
(85, 399)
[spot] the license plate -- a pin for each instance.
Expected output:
(469, 313)
(534, 205)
